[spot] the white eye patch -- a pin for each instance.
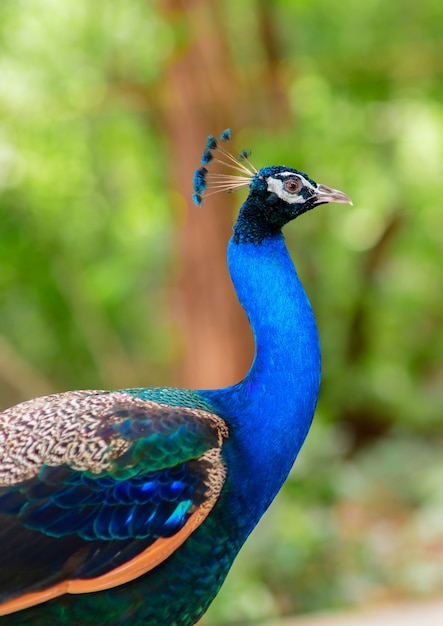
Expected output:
(275, 185)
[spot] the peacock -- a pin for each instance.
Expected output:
(129, 507)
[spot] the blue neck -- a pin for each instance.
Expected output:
(270, 411)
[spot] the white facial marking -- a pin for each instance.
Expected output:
(275, 185)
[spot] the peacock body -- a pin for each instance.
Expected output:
(129, 507)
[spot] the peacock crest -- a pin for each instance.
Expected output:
(208, 183)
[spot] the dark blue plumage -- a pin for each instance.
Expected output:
(139, 500)
(200, 179)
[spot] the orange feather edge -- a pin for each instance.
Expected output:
(159, 551)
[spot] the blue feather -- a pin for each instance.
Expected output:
(207, 157)
(226, 135)
(11, 502)
(244, 154)
(200, 180)
(177, 518)
(211, 143)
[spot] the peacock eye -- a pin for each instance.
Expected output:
(292, 185)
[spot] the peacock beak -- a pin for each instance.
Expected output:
(327, 194)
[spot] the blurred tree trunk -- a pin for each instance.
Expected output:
(202, 95)
(219, 346)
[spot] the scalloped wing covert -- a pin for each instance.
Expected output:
(97, 488)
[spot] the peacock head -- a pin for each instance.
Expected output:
(278, 194)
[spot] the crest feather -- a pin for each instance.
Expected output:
(207, 183)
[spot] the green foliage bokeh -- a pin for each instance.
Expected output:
(87, 238)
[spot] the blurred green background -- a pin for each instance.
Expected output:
(104, 109)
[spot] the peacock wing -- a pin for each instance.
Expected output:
(97, 488)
